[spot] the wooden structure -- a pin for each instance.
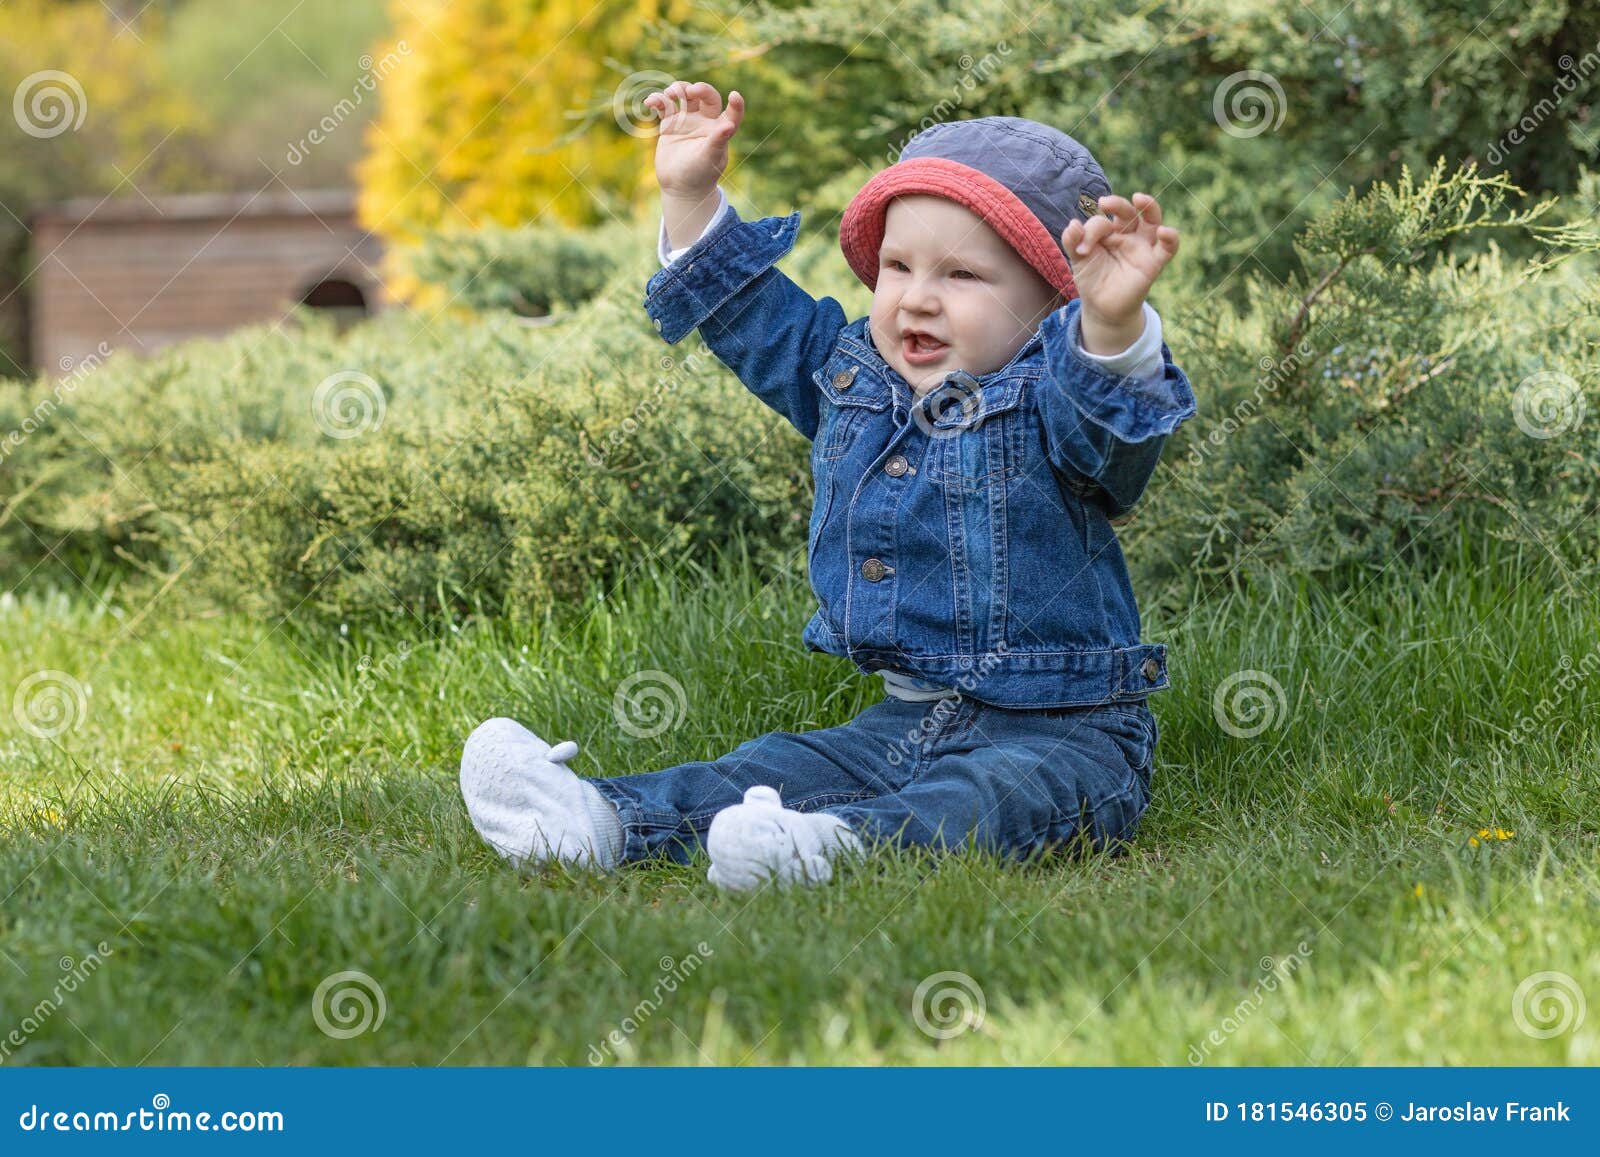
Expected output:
(137, 274)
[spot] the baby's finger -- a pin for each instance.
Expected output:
(1069, 237)
(709, 98)
(1093, 232)
(734, 116)
(1148, 207)
(1121, 210)
(1167, 239)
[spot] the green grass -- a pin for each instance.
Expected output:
(242, 812)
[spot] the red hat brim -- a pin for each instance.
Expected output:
(861, 230)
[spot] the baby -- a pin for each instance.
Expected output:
(971, 441)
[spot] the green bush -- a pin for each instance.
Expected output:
(1374, 409)
(1246, 118)
(504, 466)
(1393, 401)
(530, 271)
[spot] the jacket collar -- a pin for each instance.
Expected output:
(963, 399)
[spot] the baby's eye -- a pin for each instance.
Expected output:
(897, 266)
(964, 273)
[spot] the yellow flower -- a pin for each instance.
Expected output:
(1417, 891)
(1490, 834)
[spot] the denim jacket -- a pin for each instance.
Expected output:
(963, 537)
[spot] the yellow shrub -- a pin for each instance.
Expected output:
(511, 112)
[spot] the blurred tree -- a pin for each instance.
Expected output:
(267, 74)
(90, 112)
(1244, 116)
(514, 111)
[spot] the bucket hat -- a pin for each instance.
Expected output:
(1025, 179)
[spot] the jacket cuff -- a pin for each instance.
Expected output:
(728, 256)
(1142, 359)
(669, 255)
(1134, 409)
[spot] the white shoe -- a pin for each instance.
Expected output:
(760, 840)
(526, 803)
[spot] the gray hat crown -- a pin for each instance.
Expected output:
(1053, 175)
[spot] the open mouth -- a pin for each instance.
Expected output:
(920, 348)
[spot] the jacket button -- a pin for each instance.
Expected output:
(658, 323)
(1151, 669)
(842, 379)
(874, 569)
(896, 466)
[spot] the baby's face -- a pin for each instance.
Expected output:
(951, 294)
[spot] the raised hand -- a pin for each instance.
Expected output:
(1114, 260)
(692, 148)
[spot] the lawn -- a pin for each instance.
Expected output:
(246, 845)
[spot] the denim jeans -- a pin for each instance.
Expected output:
(1012, 781)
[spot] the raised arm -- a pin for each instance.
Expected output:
(757, 321)
(1111, 399)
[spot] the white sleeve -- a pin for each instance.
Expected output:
(668, 256)
(1142, 359)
